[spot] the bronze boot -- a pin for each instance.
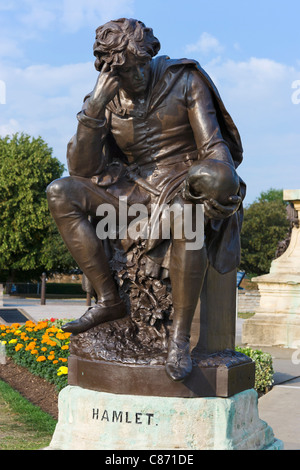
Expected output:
(179, 363)
(187, 271)
(95, 316)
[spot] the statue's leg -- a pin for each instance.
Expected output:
(187, 273)
(71, 200)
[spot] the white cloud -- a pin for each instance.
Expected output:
(40, 15)
(9, 47)
(6, 5)
(11, 127)
(256, 87)
(205, 45)
(255, 74)
(257, 92)
(69, 15)
(43, 100)
(76, 15)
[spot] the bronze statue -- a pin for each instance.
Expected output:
(156, 131)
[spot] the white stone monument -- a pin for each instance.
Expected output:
(277, 320)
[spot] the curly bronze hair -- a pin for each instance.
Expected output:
(117, 37)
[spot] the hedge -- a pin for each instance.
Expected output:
(263, 368)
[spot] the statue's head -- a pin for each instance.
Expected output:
(118, 38)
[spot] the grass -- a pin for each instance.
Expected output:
(23, 426)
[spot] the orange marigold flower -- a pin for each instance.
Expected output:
(65, 347)
(60, 335)
(30, 346)
(41, 359)
(51, 357)
(41, 325)
(63, 359)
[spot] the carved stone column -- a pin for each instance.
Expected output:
(277, 320)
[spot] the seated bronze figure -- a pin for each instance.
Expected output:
(153, 130)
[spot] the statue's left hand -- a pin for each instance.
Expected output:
(215, 210)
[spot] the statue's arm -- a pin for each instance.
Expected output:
(208, 137)
(86, 153)
(203, 119)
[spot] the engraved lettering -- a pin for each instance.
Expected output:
(117, 416)
(150, 415)
(105, 416)
(126, 417)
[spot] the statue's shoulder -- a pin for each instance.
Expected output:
(230, 133)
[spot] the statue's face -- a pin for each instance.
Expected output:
(134, 75)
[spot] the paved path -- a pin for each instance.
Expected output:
(280, 408)
(32, 308)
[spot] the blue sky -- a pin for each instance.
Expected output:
(250, 49)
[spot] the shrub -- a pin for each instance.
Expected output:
(263, 368)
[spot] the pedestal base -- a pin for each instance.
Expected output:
(220, 375)
(90, 420)
(267, 329)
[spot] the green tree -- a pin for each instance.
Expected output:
(29, 241)
(265, 224)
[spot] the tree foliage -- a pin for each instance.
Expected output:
(29, 241)
(265, 224)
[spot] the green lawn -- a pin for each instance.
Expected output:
(23, 426)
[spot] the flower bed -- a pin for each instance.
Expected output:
(41, 347)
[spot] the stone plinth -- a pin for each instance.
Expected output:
(277, 320)
(90, 420)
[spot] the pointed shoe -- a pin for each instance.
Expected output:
(95, 316)
(179, 363)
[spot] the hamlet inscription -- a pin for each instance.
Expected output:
(127, 417)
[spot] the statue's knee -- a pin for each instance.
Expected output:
(58, 190)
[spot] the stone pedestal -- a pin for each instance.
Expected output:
(277, 320)
(90, 420)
